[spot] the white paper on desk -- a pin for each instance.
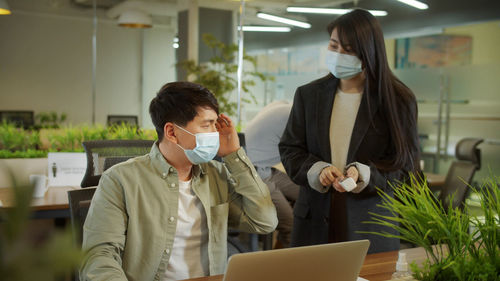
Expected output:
(362, 279)
(66, 168)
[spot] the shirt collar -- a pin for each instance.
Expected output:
(162, 165)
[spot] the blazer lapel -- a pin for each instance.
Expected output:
(364, 119)
(324, 105)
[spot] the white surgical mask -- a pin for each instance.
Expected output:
(207, 146)
(343, 66)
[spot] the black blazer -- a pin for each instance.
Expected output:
(306, 141)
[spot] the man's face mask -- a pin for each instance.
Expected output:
(343, 66)
(207, 146)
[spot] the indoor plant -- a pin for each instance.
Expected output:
(219, 74)
(468, 248)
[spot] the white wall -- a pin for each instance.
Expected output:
(46, 65)
(158, 66)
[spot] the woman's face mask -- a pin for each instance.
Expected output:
(207, 146)
(343, 66)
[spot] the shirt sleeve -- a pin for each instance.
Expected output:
(251, 208)
(104, 233)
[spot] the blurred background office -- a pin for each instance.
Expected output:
(97, 58)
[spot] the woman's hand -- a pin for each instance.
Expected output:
(353, 173)
(331, 176)
(228, 137)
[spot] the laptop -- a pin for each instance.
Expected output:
(333, 262)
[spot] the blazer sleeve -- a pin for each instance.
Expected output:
(294, 152)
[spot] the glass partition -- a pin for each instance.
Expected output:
(454, 102)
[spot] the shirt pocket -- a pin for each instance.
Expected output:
(218, 216)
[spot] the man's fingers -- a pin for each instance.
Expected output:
(225, 120)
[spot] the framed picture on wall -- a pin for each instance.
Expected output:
(433, 51)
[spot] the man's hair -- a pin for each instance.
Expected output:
(178, 102)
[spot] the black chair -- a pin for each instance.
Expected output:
(79, 204)
(456, 186)
(122, 119)
(102, 154)
(21, 118)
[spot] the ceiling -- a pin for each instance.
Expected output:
(401, 18)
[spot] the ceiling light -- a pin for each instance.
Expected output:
(135, 19)
(4, 8)
(284, 20)
(307, 10)
(175, 45)
(416, 4)
(266, 28)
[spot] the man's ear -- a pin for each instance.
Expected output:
(169, 132)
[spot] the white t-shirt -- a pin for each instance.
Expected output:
(344, 112)
(189, 255)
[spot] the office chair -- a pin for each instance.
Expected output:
(459, 176)
(79, 204)
(102, 154)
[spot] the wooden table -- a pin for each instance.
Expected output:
(53, 205)
(377, 267)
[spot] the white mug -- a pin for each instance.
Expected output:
(39, 183)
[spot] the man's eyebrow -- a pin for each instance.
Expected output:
(334, 40)
(209, 120)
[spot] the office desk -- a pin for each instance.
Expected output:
(377, 267)
(53, 205)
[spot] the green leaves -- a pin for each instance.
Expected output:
(455, 253)
(50, 119)
(20, 143)
(219, 75)
(21, 259)
(15, 139)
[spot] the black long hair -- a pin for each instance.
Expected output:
(360, 30)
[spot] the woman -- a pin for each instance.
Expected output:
(360, 122)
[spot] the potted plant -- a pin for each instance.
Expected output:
(20, 152)
(219, 74)
(458, 246)
(24, 152)
(49, 120)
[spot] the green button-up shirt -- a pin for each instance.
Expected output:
(131, 224)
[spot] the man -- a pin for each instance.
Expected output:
(164, 216)
(262, 136)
